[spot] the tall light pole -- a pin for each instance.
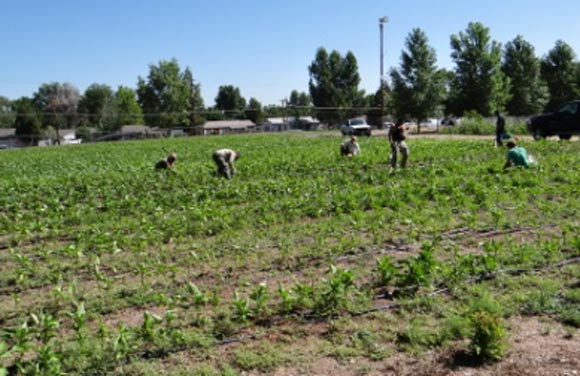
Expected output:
(382, 22)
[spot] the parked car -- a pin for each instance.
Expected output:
(564, 123)
(356, 127)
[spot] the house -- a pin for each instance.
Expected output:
(306, 123)
(66, 137)
(228, 126)
(275, 125)
(8, 139)
(132, 132)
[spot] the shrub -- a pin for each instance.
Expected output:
(488, 337)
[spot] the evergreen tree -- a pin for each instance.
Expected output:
(27, 121)
(254, 111)
(560, 71)
(528, 92)
(230, 101)
(478, 82)
(418, 85)
(195, 99)
(333, 86)
(381, 104)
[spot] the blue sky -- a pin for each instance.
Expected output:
(263, 47)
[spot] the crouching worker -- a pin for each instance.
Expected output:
(167, 163)
(224, 159)
(516, 156)
(350, 147)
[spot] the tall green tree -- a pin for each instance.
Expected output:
(196, 105)
(254, 111)
(333, 86)
(528, 91)
(27, 121)
(560, 71)
(7, 114)
(127, 108)
(58, 102)
(478, 82)
(230, 101)
(418, 85)
(381, 104)
(299, 103)
(165, 95)
(95, 105)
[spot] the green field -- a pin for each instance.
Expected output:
(110, 267)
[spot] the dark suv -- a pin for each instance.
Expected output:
(565, 122)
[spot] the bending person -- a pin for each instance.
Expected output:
(224, 159)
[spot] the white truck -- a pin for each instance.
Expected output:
(355, 127)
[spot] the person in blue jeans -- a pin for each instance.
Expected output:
(499, 129)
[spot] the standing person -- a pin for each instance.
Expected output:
(167, 163)
(499, 129)
(516, 156)
(397, 138)
(224, 159)
(350, 147)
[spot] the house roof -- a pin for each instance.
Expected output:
(136, 128)
(276, 120)
(232, 124)
(7, 132)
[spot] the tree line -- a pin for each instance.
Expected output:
(487, 77)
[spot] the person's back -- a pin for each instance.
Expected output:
(224, 159)
(519, 156)
(350, 147)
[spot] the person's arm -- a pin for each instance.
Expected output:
(357, 148)
(231, 163)
(508, 162)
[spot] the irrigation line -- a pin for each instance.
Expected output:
(311, 317)
(484, 277)
(443, 290)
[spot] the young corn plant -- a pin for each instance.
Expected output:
(260, 298)
(242, 311)
(46, 327)
(288, 299)
(79, 320)
(387, 271)
(148, 330)
(20, 339)
(194, 295)
(334, 292)
(420, 269)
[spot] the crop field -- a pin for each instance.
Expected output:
(303, 263)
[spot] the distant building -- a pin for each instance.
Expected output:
(306, 123)
(275, 125)
(132, 132)
(228, 126)
(8, 139)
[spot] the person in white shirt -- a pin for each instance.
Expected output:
(350, 147)
(224, 159)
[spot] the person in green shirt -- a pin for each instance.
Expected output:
(516, 156)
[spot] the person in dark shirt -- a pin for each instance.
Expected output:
(499, 129)
(397, 138)
(167, 163)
